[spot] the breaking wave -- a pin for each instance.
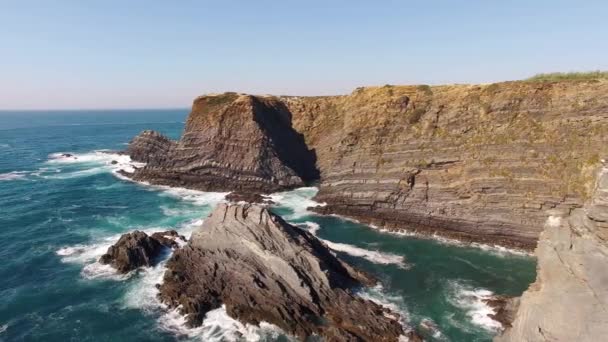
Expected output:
(298, 201)
(472, 300)
(376, 257)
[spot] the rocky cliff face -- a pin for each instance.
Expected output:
(230, 142)
(479, 162)
(263, 269)
(474, 162)
(569, 300)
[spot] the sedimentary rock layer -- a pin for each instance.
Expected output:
(230, 142)
(475, 162)
(480, 162)
(569, 300)
(263, 269)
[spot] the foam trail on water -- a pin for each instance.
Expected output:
(297, 201)
(14, 175)
(376, 257)
(472, 300)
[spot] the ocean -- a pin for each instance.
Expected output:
(59, 214)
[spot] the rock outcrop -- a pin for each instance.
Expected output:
(149, 146)
(137, 249)
(231, 142)
(473, 162)
(263, 269)
(569, 300)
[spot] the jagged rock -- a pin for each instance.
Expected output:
(263, 269)
(231, 142)
(113, 162)
(149, 146)
(137, 249)
(569, 299)
(504, 307)
(248, 197)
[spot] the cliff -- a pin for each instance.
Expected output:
(230, 142)
(569, 300)
(474, 162)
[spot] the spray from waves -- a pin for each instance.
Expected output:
(472, 300)
(376, 257)
(105, 161)
(217, 325)
(88, 255)
(298, 201)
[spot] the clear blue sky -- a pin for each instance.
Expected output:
(146, 54)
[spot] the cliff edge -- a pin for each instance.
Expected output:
(569, 300)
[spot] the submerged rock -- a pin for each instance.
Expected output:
(137, 249)
(265, 270)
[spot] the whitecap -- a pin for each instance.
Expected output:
(13, 175)
(395, 303)
(376, 257)
(494, 249)
(472, 300)
(3, 328)
(200, 198)
(298, 201)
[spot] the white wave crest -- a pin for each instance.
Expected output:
(95, 162)
(200, 198)
(472, 300)
(494, 249)
(395, 303)
(298, 201)
(376, 257)
(13, 175)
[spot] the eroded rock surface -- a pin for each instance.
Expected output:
(231, 142)
(569, 300)
(473, 162)
(263, 269)
(137, 249)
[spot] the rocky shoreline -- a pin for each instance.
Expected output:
(476, 163)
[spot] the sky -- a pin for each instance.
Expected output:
(81, 54)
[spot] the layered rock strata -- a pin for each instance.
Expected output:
(569, 300)
(230, 142)
(473, 162)
(263, 269)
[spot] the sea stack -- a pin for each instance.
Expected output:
(231, 142)
(263, 269)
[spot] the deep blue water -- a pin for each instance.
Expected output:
(58, 215)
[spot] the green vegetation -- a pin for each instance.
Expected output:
(573, 76)
(425, 89)
(221, 99)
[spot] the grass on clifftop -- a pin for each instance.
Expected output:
(563, 76)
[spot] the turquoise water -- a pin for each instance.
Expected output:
(58, 215)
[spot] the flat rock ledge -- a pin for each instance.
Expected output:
(266, 270)
(138, 249)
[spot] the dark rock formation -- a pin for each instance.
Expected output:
(137, 249)
(149, 146)
(236, 197)
(231, 142)
(263, 269)
(504, 307)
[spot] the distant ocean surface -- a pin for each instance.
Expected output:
(58, 215)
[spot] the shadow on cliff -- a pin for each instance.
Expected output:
(275, 119)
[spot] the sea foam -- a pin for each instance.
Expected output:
(472, 300)
(376, 257)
